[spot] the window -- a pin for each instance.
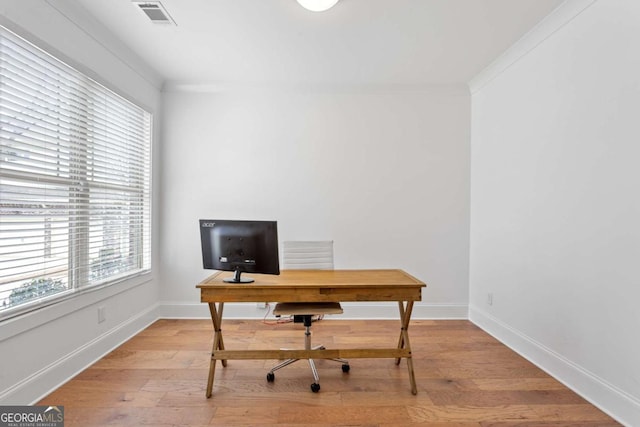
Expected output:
(74, 180)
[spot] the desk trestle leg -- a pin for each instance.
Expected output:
(403, 349)
(403, 341)
(218, 344)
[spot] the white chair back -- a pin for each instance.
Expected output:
(304, 255)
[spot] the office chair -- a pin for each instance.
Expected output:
(316, 255)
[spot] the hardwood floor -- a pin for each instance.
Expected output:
(465, 379)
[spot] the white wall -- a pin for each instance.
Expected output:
(383, 173)
(41, 349)
(555, 206)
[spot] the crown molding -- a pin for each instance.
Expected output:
(293, 87)
(546, 28)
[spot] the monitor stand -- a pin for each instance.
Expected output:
(237, 279)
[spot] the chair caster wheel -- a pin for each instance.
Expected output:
(345, 368)
(315, 387)
(270, 377)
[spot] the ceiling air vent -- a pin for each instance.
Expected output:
(155, 11)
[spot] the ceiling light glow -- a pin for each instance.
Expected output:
(317, 5)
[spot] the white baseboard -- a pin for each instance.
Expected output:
(181, 310)
(616, 403)
(46, 380)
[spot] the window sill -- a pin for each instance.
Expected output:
(22, 321)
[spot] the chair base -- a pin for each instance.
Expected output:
(315, 386)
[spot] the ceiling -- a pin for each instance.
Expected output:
(357, 42)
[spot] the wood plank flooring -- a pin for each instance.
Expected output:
(465, 379)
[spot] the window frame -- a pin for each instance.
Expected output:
(78, 279)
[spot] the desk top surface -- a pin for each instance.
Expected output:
(317, 279)
(314, 286)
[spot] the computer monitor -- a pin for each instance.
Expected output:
(240, 246)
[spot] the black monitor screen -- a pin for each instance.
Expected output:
(240, 246)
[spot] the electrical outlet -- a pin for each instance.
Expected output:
(102, 314)
(490, 298)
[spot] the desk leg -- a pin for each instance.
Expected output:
(218, 344)
(403, 341)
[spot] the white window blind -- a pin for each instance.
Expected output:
(74, 180)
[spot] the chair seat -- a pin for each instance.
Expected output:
(302, 308)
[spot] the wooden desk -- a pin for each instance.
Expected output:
(313, 286)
